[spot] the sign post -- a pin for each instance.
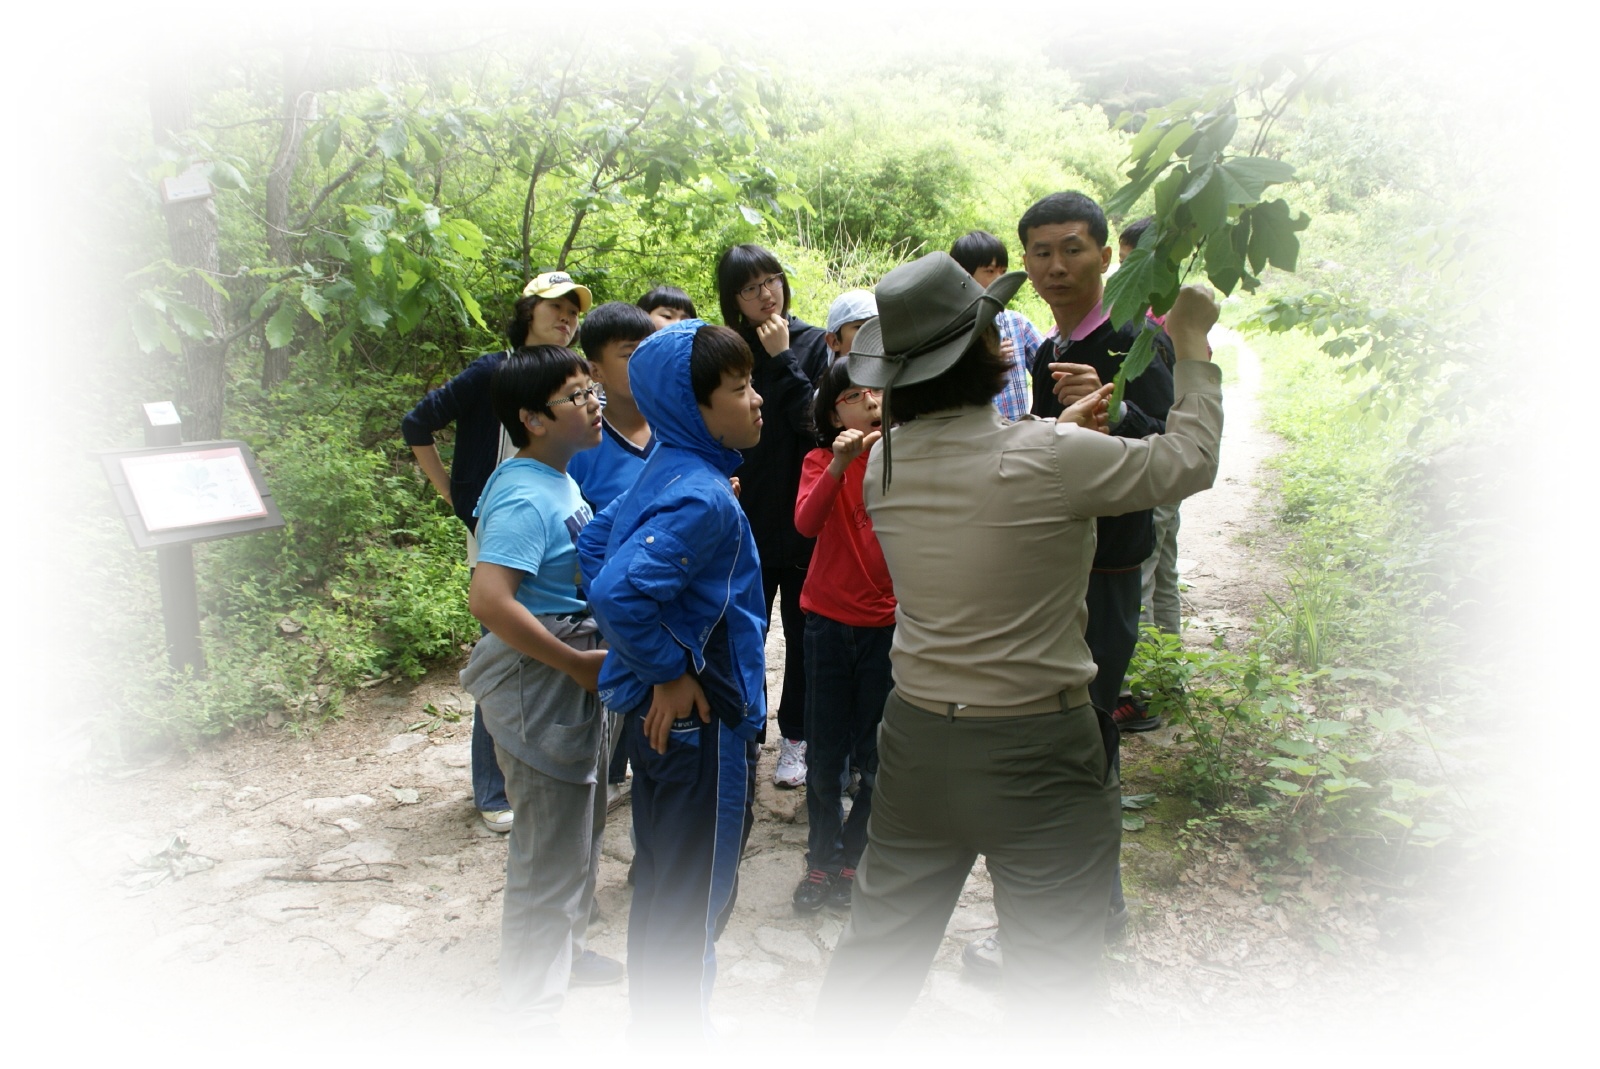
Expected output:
(173, 494)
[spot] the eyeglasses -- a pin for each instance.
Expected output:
(855, 397)
(579, 396)
(752, 291)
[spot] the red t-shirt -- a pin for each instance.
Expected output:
(848, 580)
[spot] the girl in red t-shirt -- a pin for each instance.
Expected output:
(849, 606)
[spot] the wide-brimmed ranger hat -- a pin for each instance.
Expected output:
(930, 311)
(558, 284)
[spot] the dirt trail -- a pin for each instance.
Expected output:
(353, 894)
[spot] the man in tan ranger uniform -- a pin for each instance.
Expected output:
(989, 743)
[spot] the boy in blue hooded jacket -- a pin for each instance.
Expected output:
(674, 582)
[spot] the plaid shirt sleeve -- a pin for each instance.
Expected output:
(1016, 398)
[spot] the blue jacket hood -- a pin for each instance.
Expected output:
(658, 374)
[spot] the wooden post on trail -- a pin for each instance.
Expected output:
(180, 600)
(191, 215)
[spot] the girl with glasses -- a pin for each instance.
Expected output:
(849, 605)
(790, 357)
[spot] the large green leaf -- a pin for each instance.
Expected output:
(1126, 197)
(1224, 266)
(464, 237)
(1244, 178)
(1166, 192)
(372, 313)
(409, 312)
(152, 331)
(1207, 205)
(1133, 365)
(314, 302)
(1169, 144)
(328, 140)
(1216, 136)
(1136, 282)
(191, 320)
(392, 142)
(280, 328)
(1272, 235)
(1125, 290)
(226, 176)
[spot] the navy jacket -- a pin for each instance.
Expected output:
(1124, 541)
(464, 401)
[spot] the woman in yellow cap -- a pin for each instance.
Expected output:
(546, 314)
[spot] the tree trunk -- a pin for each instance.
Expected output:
(192, 233)
(299, 105)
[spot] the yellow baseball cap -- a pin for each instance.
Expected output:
(557, 284)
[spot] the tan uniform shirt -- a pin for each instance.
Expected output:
(988, 530)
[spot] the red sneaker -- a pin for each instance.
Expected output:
(1132, 715)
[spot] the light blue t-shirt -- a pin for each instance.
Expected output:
(528, 519)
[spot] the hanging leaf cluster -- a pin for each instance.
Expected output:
(1209, 208)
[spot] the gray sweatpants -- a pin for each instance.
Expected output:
(1162, 606)
(552, 862)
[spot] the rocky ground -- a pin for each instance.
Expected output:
(333, 891)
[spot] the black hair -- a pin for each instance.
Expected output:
(973, 379)
(835, 381)
(526, 379)
(716, 350)
(1134, 231)
(978, 249)
(1071, 207)
(668, 297)
(613, 321)
(522, 316)
(736, 269)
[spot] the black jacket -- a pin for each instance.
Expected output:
(1123, 541)
(464, 401)
(769, 479)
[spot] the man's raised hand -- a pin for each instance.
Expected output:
(1193, 315)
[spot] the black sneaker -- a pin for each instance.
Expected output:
(812, 892)
(595, 970)
(1132, 715)
(838, 896)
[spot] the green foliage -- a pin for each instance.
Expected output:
(1207, 200)
(1314, 741)
(1301, 762)
(1225, 702)
(904, 160)
(1409, 252)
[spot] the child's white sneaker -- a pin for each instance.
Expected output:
(791, 770)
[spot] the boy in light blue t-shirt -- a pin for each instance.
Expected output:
(534, 677)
